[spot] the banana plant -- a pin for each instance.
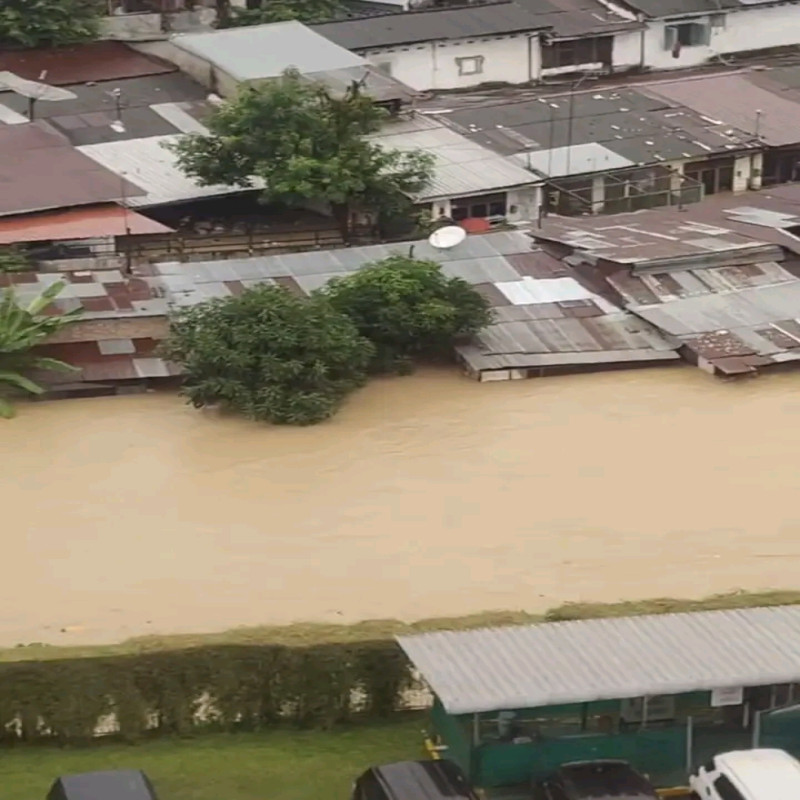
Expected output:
(21, 329)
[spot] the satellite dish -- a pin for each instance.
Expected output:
(447, 237)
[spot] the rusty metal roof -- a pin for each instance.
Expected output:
(45, 171)
(77, 223)
(712, 279)
(109, 360)
(101, 295)
(544, 315)
(82, 63)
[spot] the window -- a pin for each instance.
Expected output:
(717, 20)
(685, 34)
(485, 205)
(385, 67)
(726, 790)
(576, 52)
(470, 65)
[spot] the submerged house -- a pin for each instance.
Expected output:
(663, 692)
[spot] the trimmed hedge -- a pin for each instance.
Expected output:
(285, 677)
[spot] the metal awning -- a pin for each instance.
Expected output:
(86, 222)
(557, 663)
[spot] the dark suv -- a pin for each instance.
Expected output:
(595, 780)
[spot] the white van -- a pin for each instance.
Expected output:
(748, 775)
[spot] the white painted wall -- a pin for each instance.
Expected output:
(433, 65)
(522, 204)
(749, 28)
(627, 51)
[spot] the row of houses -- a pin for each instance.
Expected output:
(717, 285)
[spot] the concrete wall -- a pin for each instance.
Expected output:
(522, 204)
(753, 28)
(132, 27)
(627, 50)
(434, 65)
(213, 79)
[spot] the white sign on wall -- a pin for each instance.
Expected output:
(730, 696)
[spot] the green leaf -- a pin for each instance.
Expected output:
(21, 382)
(53, 364)
(6, 409)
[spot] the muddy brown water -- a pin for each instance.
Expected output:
(430, 495)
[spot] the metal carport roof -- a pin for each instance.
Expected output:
(604, 659)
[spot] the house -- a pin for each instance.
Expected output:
(512, 704)
(469, 180)
(456, 47)
(685, 33)
(223, 60)
(446, 48)
(545, 320)
(613, 149)
(765, 102)
(720, 281)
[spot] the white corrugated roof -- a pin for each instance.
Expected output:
(533, 666)
(575, 159)
(148, 164)
(266, 51)
(462, 167)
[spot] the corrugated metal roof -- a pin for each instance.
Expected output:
(633, 125)
(45, 171)
(77, 223)
(429, 25)
(733, 100)
(543, 315)
(266, 51)
(147, 108)
(607, 659)
(575, 160)
(462, 167)
(82, 63)
(150, 165)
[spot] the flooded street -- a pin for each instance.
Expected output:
(426, 496)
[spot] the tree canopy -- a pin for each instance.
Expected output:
(21, 329)
(409, 309)
(306, 145)
(307, 11)
(268, 355)
(37, 23)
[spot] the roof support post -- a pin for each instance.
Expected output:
(689, 743)
(476, 730)
(644, 712)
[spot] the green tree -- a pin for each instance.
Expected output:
(21, 329)
(269, 355)
(307, 11)
(409, 310)
(306, 145)
(37, 23)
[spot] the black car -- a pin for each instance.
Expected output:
(414, 780)
(595, 780)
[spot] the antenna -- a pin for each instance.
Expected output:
(448, 237)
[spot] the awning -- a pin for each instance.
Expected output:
(85, 222)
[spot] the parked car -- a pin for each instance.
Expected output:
(414, 780)
(595, 780)
(760, 774)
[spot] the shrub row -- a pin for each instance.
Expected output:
(134, 690)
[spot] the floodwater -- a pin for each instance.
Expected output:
(429, 495)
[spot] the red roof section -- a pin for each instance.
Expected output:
(95, 61)
(77, 223)
(42, 170)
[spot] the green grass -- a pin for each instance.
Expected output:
(311, 633)
(279, 765)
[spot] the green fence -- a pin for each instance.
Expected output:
(660, 752)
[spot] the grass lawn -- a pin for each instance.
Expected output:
(280, 765)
